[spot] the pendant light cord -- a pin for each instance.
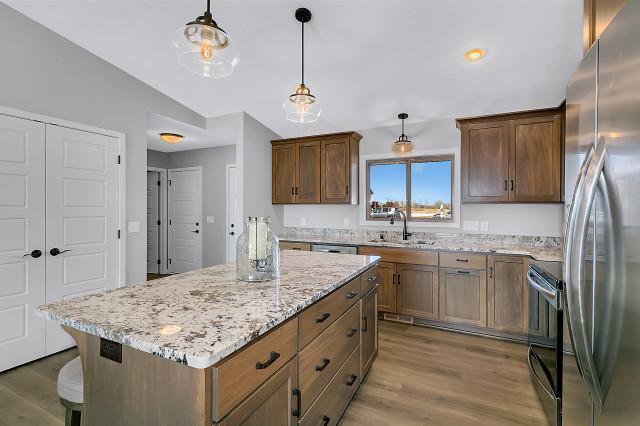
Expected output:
(402, 127)
(302, 52)
(209, 6)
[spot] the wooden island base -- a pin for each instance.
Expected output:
(305, 371)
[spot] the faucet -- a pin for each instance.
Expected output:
(405, 234)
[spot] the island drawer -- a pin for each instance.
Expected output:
(463, 260)
(323, 313)
(293, 245)
(368, 280)
(322, 358)
(333, 401)
(401, 255)
(234, 379)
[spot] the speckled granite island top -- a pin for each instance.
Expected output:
(215, 314)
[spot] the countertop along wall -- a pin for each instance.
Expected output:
(212, 161)
(438, 135)
(44, 73)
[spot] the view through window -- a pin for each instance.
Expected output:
(421, 187)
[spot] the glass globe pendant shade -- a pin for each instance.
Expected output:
(302, 106)
(205, 49)
(402, 146)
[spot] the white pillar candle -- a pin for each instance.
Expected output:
(257, 241)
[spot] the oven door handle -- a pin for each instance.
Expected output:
(550, 295)
(530, 355)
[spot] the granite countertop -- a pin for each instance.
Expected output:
(538, 248)
(214, 313)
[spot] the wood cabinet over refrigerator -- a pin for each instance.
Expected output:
(512, 157)
(319, 169)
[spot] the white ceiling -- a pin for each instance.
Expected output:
(366, 60)
(220, 131)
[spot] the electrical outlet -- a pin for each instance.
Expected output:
(211, 219)
(484, 226)
(346, 222)
(471, 225)
(303, 221)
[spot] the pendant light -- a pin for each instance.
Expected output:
(302, 106)
(403, 145)
(204, 48)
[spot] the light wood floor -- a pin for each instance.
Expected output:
(422, 376)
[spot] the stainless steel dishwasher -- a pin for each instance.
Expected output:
(325, 248)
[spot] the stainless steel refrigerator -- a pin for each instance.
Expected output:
(601, 377)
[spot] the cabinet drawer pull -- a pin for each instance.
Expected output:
(272, 358)
(352, 332)
(323, 318)
(366, 324)
(326, 420)
(463, 272)
(325, 362)
(394, 278)
(352, 379)
(352, 294)
(296, 248)
(372, 279)
(505, 185)
(462, 260)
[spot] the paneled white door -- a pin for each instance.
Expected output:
(153, 227)
(82, 219)
(22, 232)
(185, 219)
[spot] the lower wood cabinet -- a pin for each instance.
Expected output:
(463, 296)
(386, 275)
(417, 290)
(271, 403)
(369, 330)
(508, 294)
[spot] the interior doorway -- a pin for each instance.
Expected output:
(233, 225)
(156, 223)
(185, 219)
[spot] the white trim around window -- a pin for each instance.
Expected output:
(455, 196)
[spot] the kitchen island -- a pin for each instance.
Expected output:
(202, 348)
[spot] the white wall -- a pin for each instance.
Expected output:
(256, 171)
(44, 73)
(157, 159)
(214, 186)
(517, 219)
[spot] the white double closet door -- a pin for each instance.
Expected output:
(59, 204)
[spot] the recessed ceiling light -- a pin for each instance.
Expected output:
(171, 137)
(475, 54)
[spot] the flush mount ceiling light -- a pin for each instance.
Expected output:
(403, 145)
(302, 106)
(475, 54)
(171, 137)
(204, 48)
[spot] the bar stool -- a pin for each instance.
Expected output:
(70, 391)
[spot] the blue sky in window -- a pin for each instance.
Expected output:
(430, 181)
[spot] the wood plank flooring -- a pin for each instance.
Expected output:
(425, 376)
(422, 376)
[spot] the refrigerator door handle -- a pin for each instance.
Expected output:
(599, 174)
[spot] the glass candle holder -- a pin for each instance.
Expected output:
(257, 251)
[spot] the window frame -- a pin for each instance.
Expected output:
(408, 162)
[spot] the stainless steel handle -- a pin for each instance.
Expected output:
(548, 294)
(530, 355)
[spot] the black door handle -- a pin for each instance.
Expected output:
(324, 316)
(56, 251)
(35, 254)
(325, 362)
(272, 357)
(232, 233)
(197, 231)
(512, 184)
(326, 420)
(366, 324)
(352, 380)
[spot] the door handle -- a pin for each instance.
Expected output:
(35, 254)
(326, 420)
(505, 185)
(56, 251)
(512, 184)
(366, 324)
(197, 231)
(232, 233)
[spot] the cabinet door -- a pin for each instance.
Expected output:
(369, 335)
(508, 294)
(283, 172)
(308, 172)
(271, 404)
(418, 291)
(335, 171)
(463, 296)
(535, 153)
(386, 273)
(485, 162)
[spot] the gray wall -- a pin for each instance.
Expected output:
(157, 159)
(212, 161)
(516, 219)
(46, 74)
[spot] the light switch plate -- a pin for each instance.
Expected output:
(346, 222)
(303, 221)
(484, 226)
(210, 219)
(471, 225)
(133, 227)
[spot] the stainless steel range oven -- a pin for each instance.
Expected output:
(546, 349)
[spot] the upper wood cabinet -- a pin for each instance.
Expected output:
(316, 169)
(512, 157)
